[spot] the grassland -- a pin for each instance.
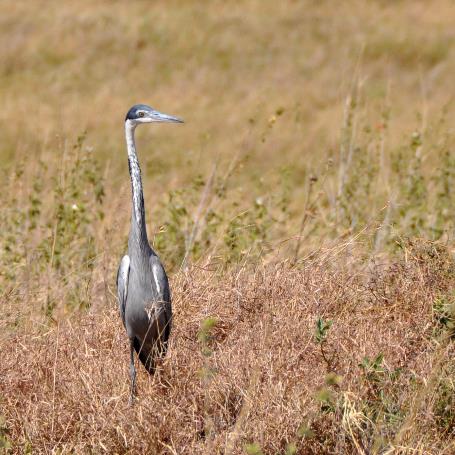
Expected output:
(305, 212)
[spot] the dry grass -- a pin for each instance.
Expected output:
(264, 378)
(330, 127)
(81, 65)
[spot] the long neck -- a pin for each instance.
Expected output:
(138, 233)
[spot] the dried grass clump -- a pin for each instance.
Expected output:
(246, 371)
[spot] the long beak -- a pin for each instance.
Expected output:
(159, 117)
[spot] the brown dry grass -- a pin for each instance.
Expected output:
(283, 90)
(65, 388)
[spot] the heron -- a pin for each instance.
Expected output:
(142, 283)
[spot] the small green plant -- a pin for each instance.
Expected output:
(13, 219)
(328, 395)
(381, 406)
(444, 182)
(291, 448)
(373, 368)
(444, 406)
(305, 431)
(320, 336)
(444, 313)
(413, 208)
(5, 444)
(253, 448)
(327, 400)
(322, 330)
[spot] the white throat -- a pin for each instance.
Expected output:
(129, 134)
(135, 171)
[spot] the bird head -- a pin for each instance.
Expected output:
(141, 113)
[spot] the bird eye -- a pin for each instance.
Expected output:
(141, 114)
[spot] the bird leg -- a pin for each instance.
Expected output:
(132, 373)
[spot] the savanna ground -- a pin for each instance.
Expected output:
(305, 213)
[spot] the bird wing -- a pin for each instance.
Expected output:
(161, 306)
(161, 286)
(122, 284)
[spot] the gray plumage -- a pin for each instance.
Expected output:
(142, 284)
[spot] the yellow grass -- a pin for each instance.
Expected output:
(324, 123)
(66, 387)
